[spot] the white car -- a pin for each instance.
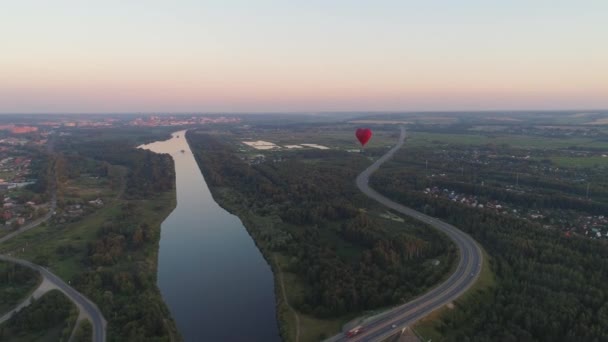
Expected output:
(394, 326)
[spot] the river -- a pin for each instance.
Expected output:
(212, 276)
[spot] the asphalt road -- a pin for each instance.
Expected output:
(90, 309)
(466, 273)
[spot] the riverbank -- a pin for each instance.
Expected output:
(210, 272)
(294, 326)
(337, 256)
(110, 253)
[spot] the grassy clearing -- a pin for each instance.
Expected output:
(344, 249)
(390, 216)
(338, 137)
(580, 162)
(311, 328)
(428, 327)
(43, 243)
(88, 188)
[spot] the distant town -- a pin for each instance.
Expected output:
(20, 144)
(105, 121)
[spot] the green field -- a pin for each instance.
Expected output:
(340, 136)
(42, 243)
(521, 141)
(580, 162)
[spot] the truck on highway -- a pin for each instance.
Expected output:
(354, 331)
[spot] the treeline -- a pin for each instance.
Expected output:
(347, 260)
(120, 283)
(550, 288)
(148, 173)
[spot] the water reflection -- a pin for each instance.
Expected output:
(210, 273)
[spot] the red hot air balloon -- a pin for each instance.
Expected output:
(363, 134)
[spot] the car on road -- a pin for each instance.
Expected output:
(354, 331)
(394, 326)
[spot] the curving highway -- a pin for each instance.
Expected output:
(86, 307)
(466, 273)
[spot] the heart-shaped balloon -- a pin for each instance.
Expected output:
(363, 134)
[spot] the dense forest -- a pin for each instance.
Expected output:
(550, 287)
(149, 173)
(83, 332)
(347, 259)
(15, 283)
(49, 318)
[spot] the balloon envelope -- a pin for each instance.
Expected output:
(363, 134)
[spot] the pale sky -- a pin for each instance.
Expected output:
(313, 55)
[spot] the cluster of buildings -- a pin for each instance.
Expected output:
(468, 200)
(24, 129)
(595, 227)
(87, 123)
(154, 121)
(99, 121)
(15, 214)
(73, 211)
(7, 143)
(255, 159)
(18, 129)
(12, 141)
(266, 145)
(17, 168)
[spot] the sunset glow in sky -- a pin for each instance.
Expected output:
(315, 55)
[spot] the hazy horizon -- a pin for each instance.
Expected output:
(276, 56)
(345, 112)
